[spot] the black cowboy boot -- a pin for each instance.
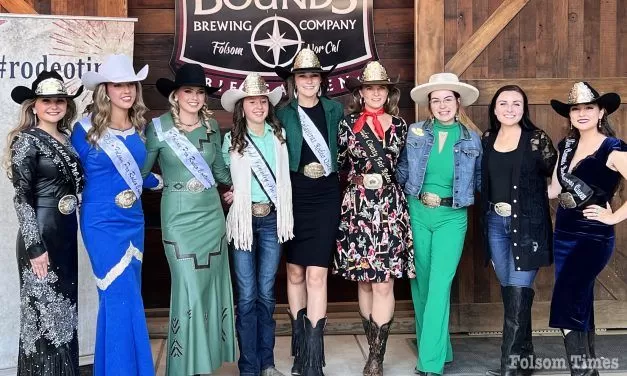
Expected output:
(379, 336)
(578, 354)
(517, 302)
(298, 329)
(592, 350)
(313, 348)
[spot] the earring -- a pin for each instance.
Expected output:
(176, 99)
(295, 94)
(361, 101)
(599, 124)
(320, 92)
(107, 99)
(456, 118)
(34, 112)
(387, 100)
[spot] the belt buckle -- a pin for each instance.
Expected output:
(503, 209)
(313, 170)
(125, 199)
(260, 209)
(372, 181)
(567, 200)
(67, 204)
(194, 185)
(430, 200)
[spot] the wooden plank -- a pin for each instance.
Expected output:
(59, 7)
(464, 29)
(450, 29)
(576, 26)
(607, 38)
(112, 8)
(544, 38)
(528, 42)
(560, 38)
(621, 37)
(484, 35)
(591, 39)
(542, 91)
(495, 47)
(17, 6)
(170, 4)
(480, 14)
(429, 42)
(511, 48)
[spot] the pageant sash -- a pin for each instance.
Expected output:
(121, 157)
(376, 154)
(186, 153)
(579, 190)
(316, 141)
(261, 170)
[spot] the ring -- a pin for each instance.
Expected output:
(596, 211)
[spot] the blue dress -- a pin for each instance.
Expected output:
(114, 239)
(583, 247)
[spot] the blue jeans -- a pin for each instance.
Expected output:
(499, 236)
(255, 272)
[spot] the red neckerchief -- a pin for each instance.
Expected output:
(378, 129)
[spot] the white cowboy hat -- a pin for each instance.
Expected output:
(445, 81)
(253, 85)
(116, 68)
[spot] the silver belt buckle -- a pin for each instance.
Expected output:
(260, 209)
(194, 185)
(430, 200)
(67, 204)
(503, 209)
(313, 170)
(567, 200)
(125, 199)
(372, 181)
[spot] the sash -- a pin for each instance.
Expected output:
(261, 170)
(376, 154)
(121, 157)
(580, 191)
(187, 154)
(70, 166)
(316, 141)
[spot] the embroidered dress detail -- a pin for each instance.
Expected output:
(316, 141)
(187, 154)
(118, 269)
(28, 223)
(261, 170)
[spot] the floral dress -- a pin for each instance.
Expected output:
(374, 239)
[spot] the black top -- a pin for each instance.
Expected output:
(532, 166)
(500, 173)
(316, 114)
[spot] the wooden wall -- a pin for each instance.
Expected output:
(104, 8)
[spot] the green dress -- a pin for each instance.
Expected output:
(201, 333)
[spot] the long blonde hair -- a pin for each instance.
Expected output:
(28, 120)
(205, 114)
(100, 110)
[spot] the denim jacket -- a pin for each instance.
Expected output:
(412, 163)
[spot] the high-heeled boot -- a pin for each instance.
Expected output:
(298, 330)
(578, 354)
(378, 343)
(313, 347)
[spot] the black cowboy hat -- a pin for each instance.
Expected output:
(187, 75)
(583, 93)
(305, 61)
(48, 84)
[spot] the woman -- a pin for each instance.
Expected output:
(111, 149)
(374, 244)
(260, 217)
(47, 177)
(591, 164)
(311, 125)
(517, 160)
(440, 168)
(186, 142)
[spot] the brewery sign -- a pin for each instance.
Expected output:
(231, 38)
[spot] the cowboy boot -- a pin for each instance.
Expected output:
(368, 332)
(577, 353)
(379, 334)
(298, 328)
(526, 346)
(313, 347)
(592, 350)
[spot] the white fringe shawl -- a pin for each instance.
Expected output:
(239, 220)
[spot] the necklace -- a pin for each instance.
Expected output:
(189, 125)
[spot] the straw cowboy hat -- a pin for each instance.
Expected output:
(305, 61)
(49, 84)
(254, 85)
(187, 75)
(116, 68)
(445, 81)
(583, 93)
(373, 74)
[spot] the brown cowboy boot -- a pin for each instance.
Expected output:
(379, 337)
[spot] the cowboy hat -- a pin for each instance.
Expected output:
(48, 84)
(445, 81)
(305, 61)
(187, 75)
(252, 86)
(373, 74)
(582, 93)
(116, 68)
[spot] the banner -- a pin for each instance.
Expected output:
(233, 38)
(30, 44)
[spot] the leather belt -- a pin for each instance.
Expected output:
(313, 170)
(369, 181)
(262, 209)
(192, 185)
(503, 209)
(432, 200)
(66, 204)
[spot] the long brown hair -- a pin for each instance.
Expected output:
(390, 107)
(238, 133)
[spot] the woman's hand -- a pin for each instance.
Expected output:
(40, 265)
(597, 213)
(228, 196)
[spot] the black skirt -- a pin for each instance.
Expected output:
(316, 219)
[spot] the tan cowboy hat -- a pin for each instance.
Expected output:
(254, 85)
(116, 68)
(305, 61)
(373, 74)
(583, 93)
(445, 81)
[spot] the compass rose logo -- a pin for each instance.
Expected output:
(275, 42)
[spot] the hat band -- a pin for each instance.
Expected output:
(50, 86)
